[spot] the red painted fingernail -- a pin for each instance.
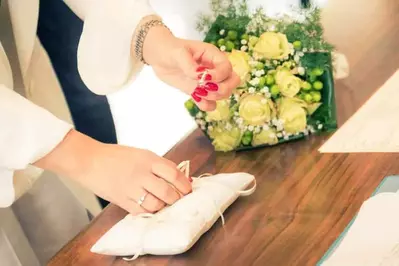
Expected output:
(190, 179)
(207, 77)
(201, 91)
(196, 97)
(201, 69)
(210, 86)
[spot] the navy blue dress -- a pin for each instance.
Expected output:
(59, 30)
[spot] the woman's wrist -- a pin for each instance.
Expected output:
(152, 41)
(158, 44)
(72, 157)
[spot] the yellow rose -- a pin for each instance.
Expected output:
(225, 140)
(288, 83)
(222, 111)
(255, 110)
(265, 137)
(239, 61)
(292, 112)
(272, 45)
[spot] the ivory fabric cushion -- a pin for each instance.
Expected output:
(176, 228)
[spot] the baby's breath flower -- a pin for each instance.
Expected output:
(265, 89)
(259, 73)
(228, 126)
(301, 71)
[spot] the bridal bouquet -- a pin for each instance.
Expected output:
(286, 71)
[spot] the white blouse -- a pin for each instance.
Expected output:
(27, 131)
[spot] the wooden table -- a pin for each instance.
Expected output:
(304, 199)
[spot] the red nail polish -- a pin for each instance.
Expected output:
(201, 69)
(210, 86)
(207, 77)
(201, 91)
(190, 179)
(196, 97)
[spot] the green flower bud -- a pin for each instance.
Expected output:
(245, 37)
(270, 79)
(260, 66)
(247, 138)
(274, 90)
(308, 98)
(221, 42)
(316, 96)
(297, 45)
(191, 107)
(311, 78)
(232, 35)
(318, 85)
(306, 86)
(229, 46)
(317, 72)
(262, 82)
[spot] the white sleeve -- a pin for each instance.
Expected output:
(27, 133)
(105, 61)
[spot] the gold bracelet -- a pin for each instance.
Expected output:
(142, 34)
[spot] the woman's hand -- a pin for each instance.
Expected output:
(119, 174)
(181, 63)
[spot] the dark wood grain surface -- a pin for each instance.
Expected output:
(304, 199)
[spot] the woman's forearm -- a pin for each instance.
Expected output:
(71, 157)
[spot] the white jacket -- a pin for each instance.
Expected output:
(29, 132)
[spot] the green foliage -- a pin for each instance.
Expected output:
(237, 23)
(316, 60)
